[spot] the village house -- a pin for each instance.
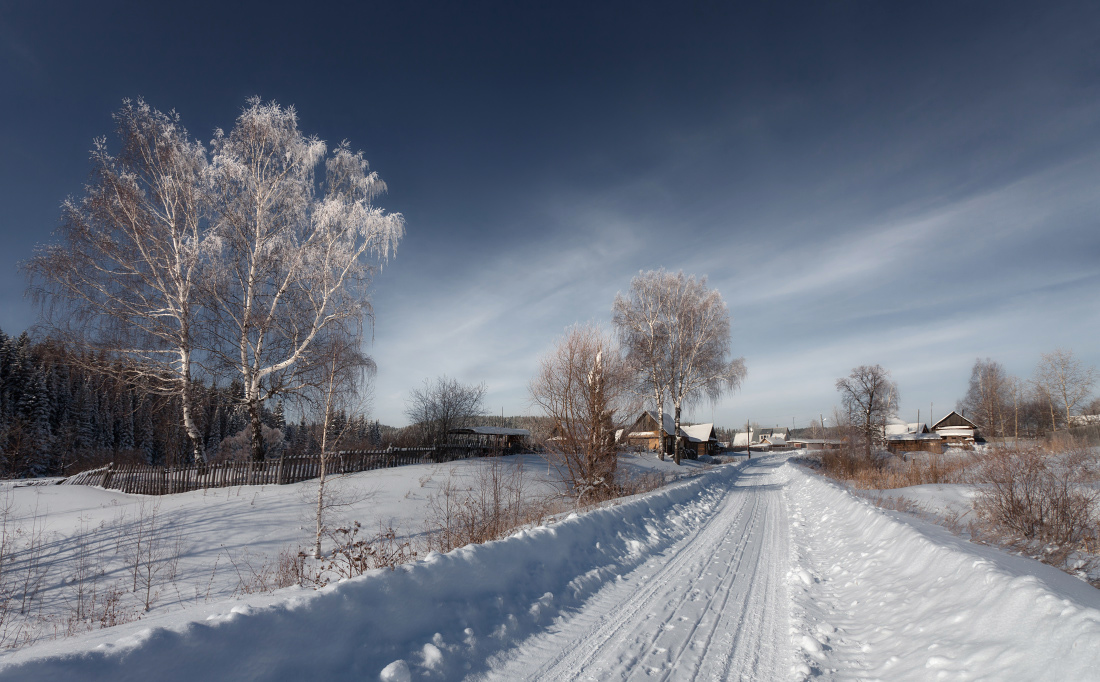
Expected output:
(783, 433)
(957, 431)
(699, 439)
(904, 437)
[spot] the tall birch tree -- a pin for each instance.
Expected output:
(643, 319)
(700, 348)
(676, 332)
(295, 255)
(1062, 378)
(123, 280)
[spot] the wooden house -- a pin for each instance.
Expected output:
(644, 433)
(700, 438)
(915, 442)
(957, 431)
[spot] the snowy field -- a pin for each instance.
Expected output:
(754, 571)
(217, 544)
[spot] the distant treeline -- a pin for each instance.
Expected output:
(59, 414)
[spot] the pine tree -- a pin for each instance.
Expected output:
(279, 417)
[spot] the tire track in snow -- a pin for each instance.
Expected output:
(725, 580)
(610, 612)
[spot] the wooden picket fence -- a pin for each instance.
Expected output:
(157, 480)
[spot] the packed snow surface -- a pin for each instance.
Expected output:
(759, 571)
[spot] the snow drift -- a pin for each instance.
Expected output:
(883, 598)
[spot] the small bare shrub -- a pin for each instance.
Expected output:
(111, 612)
(353, 555)
(636, 484)
(258, 574)
(495, 505)
(152, 554)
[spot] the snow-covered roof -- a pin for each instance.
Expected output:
(491, 431)
(1084, 419)
(697, 433)
(957, 417)
(670, 423)
(775, 439)
(741, 438)
(895, 426)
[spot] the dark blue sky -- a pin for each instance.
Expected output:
(913, 185)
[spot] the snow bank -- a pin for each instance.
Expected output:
(878, 598)
(439, 618)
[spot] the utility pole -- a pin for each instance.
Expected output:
(748, 439)
(1016, 406)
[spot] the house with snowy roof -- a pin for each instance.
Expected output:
(699, 439)
(897, 427)
(957, 431)
(765, 434)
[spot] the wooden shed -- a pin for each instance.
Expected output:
(700, 438)
(491, 437)
(915, 442)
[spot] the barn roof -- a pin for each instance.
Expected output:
(953, 418)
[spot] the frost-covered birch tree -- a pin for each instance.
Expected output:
(643, 319)
(676, 333)
(123, 279)
(295, 254)
(699, 347)
(1065, 380)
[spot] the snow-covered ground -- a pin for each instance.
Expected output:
(758, 570)
(227, 538)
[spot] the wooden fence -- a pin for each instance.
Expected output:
(156, 480)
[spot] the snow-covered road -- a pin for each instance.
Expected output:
(712, 607)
